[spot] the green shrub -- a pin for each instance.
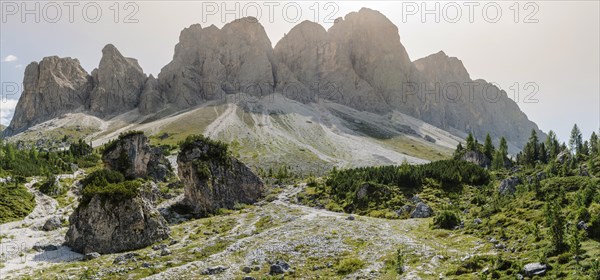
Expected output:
(216, 150)
(115, 192)
(16, 202)
(446, 219)
(349, 265)
(102, 177)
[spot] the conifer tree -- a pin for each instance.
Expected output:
(488, 147)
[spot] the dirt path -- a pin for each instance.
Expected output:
(16, 249)
(319, 233)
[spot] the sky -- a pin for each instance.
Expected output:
(545, 55)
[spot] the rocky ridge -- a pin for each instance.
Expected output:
(359, 62)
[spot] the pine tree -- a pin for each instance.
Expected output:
(585, 150)
(498, 160)
(575, 142)
(471, 144)
(503, 148)
(552, 145)
(543, 155)
(458, 153)
(594, 144)
(556, 222)
(488, 147)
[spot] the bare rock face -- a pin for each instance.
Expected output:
(210, 62)
(358, 62)
(476, 157)
(52, 87)
(132, 155)
(118, 84)
(107, 225)
(213, 179)
(151, 99)
(468, 105)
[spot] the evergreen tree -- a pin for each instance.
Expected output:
(459, 151)
(585, 150)
(575, 142)
(543, 155)
(552, 145)
(503, 148)
(556, 222)
(498, 160)
(488, 147)
(594, 144)
(471, 144)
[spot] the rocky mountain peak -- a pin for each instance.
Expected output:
(441, 67)
(52, 87)
(118, 83)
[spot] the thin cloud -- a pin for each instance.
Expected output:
(19, 66)
(10, 58)
(7, 109)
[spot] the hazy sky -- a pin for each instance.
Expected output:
(553, 44)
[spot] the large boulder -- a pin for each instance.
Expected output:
(213, 179)
(132, 155)
(534, 269)
(509, 185)
(421, 211)
(476, 157)
(115, 224)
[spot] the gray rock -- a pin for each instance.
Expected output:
(52, 223)
(133, 156)
(582, 225)
(211, 62)
(421, 211)
(51, 88)
(276, 269)
(248, 278)
(476, 157)
(563, 156)
(125, 258)
(159, 247)
(165, 252)
(477, 221)
(493, 240)
(91, 256)
(534, 269)
(500, 246)
(211, 183)
(118, 84)
(214, 270)
(111, 225)
(509, 186)
(146, 265)
(350, 218)
(45, 247)
(246, 269)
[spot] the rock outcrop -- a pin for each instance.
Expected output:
(210, 62)
(52, 87)
(508, 186)
(476, 157)
(133, 156)
(107, 225)
(358, 62)
(118, 84)
(212, 179)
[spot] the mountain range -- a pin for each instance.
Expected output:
(359, 63)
